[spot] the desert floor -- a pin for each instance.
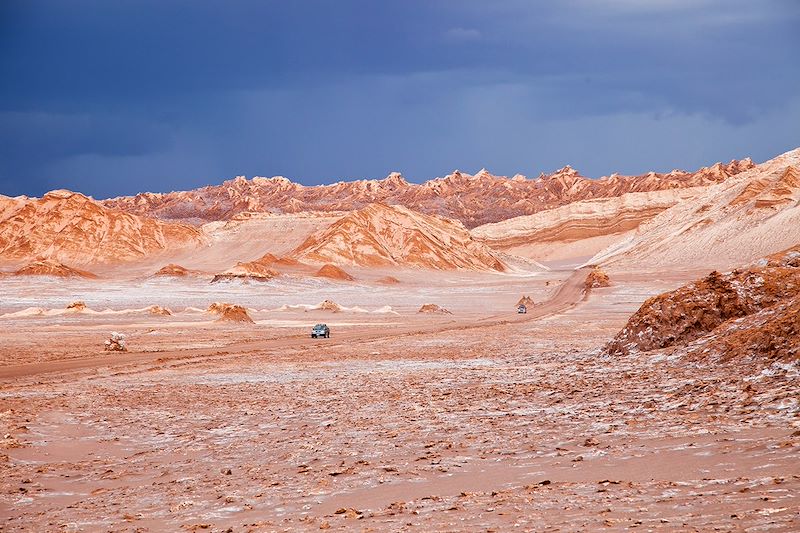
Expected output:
(477, 420)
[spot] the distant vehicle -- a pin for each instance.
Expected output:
(522, 309)
(321, 330)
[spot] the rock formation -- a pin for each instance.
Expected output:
(596, 278)
(433, 308)
(269, 259)
(328, 305)
(381, 235)
(388, 280)
(172, 270)
(765, 296)
(262, 237)
(157, 310)
(333, 272)
(472, 199)
(258, 270)
(50, 267)
(770, 334)
(786, 258)
(76, 307)
(230, 312)
(70, 227)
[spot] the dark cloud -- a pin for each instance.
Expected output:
(116, 97)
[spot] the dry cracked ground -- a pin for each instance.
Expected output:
(522, 427)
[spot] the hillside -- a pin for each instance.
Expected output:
(748, 216)
(580, 228)
(750, 312)
(381, 235)
(75, 229)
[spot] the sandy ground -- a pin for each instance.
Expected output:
(480, 420)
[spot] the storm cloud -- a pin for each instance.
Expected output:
(117, 97)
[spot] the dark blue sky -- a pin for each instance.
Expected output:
(116, 97)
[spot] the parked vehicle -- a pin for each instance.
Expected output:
(522, 309)
(321, 330)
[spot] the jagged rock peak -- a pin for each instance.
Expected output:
(274, 179)
(474, 200)
(62, 194)
(566, 170)
(395, 178)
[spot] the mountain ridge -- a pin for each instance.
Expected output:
(473, 199)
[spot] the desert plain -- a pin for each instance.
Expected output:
(651, 384)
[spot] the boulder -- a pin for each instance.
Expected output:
(116, 343)
(595, 279)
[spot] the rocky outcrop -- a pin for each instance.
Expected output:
(771, 334)
(473, 199)
(116, 343)
(381, 235)
(76, 307)
(272, 260)
(333, 272)
(764, 191)
(172, 270)
(714, 306)
(52, 268)
(258, 270)
(70, 227)
(157, 310)
(230, 313)
(786, 258)
(328, 305)
(434, 309)
(596, 278)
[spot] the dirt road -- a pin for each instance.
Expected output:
(569, 294)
